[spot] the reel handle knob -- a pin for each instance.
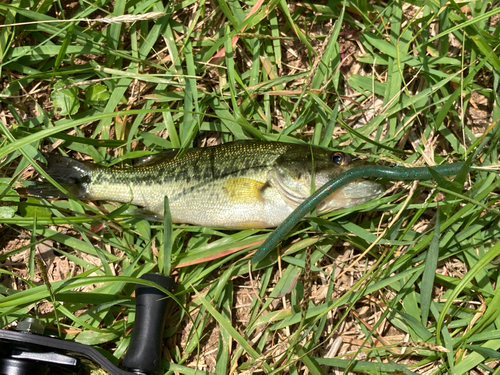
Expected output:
(144, 352)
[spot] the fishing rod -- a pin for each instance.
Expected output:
(361, 172)
(26, 351)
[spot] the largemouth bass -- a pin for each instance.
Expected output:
(238, 185)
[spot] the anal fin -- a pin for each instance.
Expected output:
(144, 214)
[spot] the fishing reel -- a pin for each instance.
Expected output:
(26, 351)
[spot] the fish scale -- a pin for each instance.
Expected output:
(249, 184)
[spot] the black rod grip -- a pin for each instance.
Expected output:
(144, 352)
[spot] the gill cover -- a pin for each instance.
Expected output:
(298, 174)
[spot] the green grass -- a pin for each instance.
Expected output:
(403, 82)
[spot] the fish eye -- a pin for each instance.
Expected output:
(340, 158)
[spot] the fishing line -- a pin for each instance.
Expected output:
(361, 172)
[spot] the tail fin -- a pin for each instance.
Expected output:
(71, 174)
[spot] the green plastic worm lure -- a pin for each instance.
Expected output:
(361, 172)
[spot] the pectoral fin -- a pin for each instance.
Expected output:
(244, 190)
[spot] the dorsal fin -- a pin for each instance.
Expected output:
(162, 156)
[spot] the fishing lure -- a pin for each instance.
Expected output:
(366, 171)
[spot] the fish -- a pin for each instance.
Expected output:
(236, 185)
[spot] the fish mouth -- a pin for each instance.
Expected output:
(350, 195)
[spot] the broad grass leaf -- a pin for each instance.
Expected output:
(65, 100)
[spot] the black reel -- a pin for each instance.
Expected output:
(27, 352)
